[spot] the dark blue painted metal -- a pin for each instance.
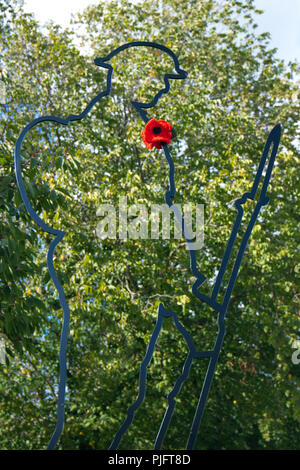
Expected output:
(220, 308)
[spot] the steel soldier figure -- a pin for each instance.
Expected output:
(220, 308)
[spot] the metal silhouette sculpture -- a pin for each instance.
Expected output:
(271, 146)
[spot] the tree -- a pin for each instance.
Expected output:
(235, 90)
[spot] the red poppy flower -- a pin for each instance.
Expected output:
(156, 132)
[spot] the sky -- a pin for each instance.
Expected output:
(281, 18)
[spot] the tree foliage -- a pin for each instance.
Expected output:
(236, 89)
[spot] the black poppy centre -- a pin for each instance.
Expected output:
(156, 130)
